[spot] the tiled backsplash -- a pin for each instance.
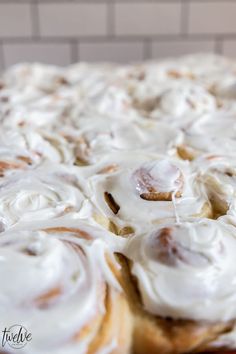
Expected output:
(62, 32)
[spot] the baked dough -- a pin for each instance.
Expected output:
(117, 206)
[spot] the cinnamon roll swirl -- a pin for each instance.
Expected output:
(211, 133)
(143, 190)
(218, 173)
(40, 194)
(180, 279)
(69, 297)
(33, 147)
(96, 139)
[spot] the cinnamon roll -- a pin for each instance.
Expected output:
(96, 139)
(177, 103)
(35, 96)
(218, 172)
(180, 280)
(68, 296)
(13, 160)
(143, 190)
(211, 133)
(40, 194)
(35, 146)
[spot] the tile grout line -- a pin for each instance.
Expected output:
(120, 38)
(78, 51)
(113, 1)
(74, 48)
(218, 45)
(147, 49)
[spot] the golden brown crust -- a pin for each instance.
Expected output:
(116, 325)
(160, 196)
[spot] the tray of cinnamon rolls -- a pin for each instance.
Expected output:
(118, 208)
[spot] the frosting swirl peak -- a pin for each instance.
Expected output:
(187, 270)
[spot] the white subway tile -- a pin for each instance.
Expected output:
(51, 53)
(212, 17)
(70, 19)
(15, 20)
(111, 51)
(229, 48)
(179, 47)
(147, 18)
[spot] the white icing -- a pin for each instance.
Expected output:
(36, 263)
(96, 138)
(39, 194)
(187, 271)
(214, 133)
(124, 187)
(162, 175)
(218, 173)
(122, 125)
(36, 145)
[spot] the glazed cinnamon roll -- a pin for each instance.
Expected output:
(13, 160)
(180, 279)
(142, 190)
(218, 173)
(33, 147)
(41, 95)
(176, 103)
(68, 296)
(40, 194)
(36, 96)
(96, 139)
(211, 133)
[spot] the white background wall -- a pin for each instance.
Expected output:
(61, 32)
